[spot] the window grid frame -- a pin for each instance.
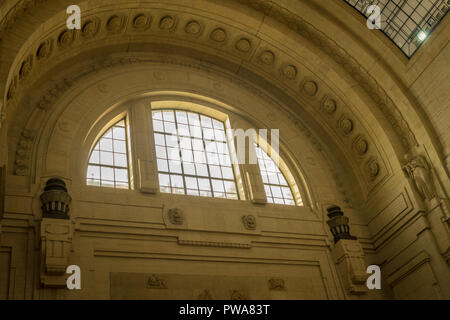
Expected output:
(113, 167)
(263, 170)
(203, 139)
(392, 29)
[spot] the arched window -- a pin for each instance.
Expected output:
(192, 154)
(275, 184)
(108, 162)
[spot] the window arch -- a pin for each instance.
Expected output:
(193, 155)
(108, 164)
(275, 183)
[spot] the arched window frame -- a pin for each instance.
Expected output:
(125, 116)
(137, 168)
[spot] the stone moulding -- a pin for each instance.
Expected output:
(214, 244)
(315, 36)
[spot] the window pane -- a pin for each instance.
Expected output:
(119, 133)
(275, 184)
(197, 154)
(93, 172)
(120, 160)
(108, 162)
(106, 158)
(95, 157)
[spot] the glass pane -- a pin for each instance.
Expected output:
(121, 175)
(120, 146)
(110, 153)
(107, 173)
(119, 133)
(106, 144)
(93, 172)
(120, 160)
(106, 158)
(95, 157)
(193, 153)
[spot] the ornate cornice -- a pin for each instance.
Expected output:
(280, 69)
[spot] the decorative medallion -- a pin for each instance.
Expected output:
(310, 87)
(193, 27)
(372, 168)
(249, 222)
(44, 50)
(156, 282)
(267, 57)
(276, 284)
(329, 105)
(238, 295)
(167, 23)
(289, 71)
(218, 35)
(65, 38)
(176, 216)
(115, 23)
(141, 21)
(90, 28)
(360, 145)
(345, 125)
(243, 45)
(26, 66)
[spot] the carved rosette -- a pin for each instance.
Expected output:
(156, 282)
(276, 284)
(55, 200)
(141, 21)
(218, 35)
(249, 222)
(176, 216)
(193, 27)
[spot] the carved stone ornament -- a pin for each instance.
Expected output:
(218, 35)
(115, 23)
(372, 168)
(176, 216)
(44, 50)
(205, 295)
(417, 168)
(238, 295)
(193, 27)
(249, 222)
(351, 266)
(345, 125)
(141, 22)
(243, 45)
(338, 224)
(289, 72)
(329, 105)
(26, 67)
(276, 284)
(56, 241)
(167, 23)
(310, 87)
(55, 200)
(156, 282)
(361, 146)
(267, 57)
(90, 28)
(66, 38)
